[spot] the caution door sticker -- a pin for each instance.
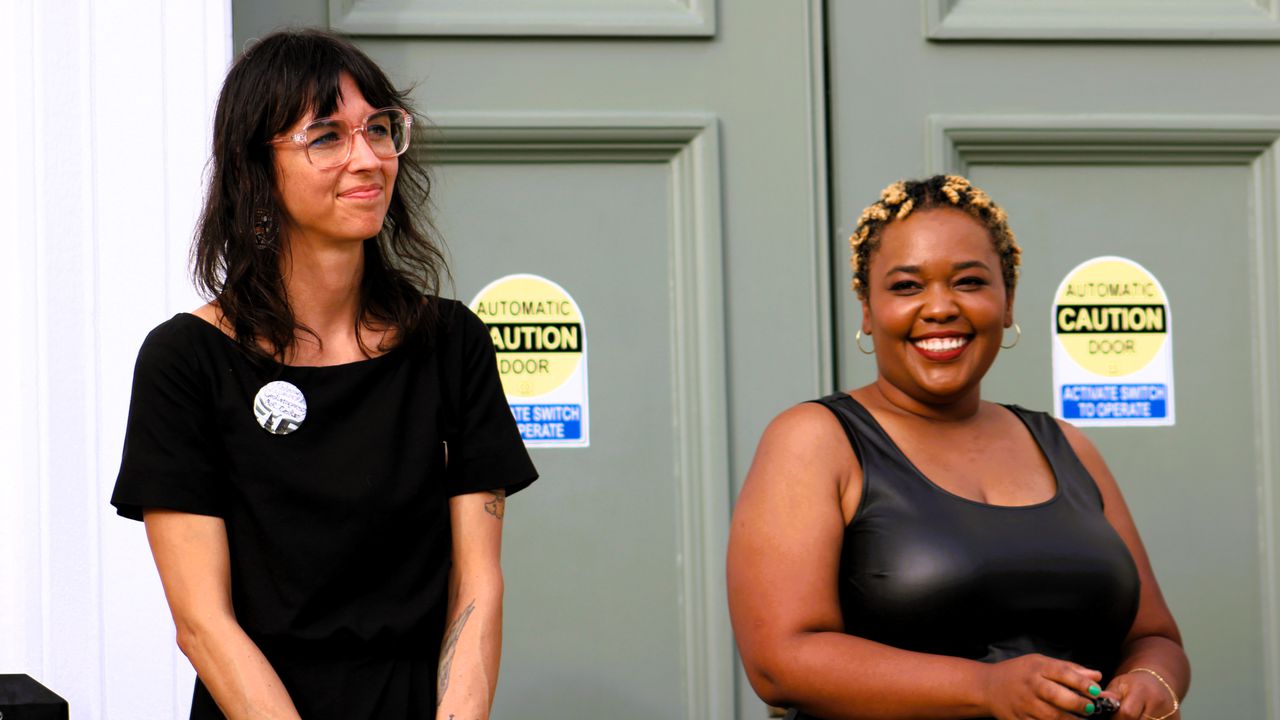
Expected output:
(1112, 346)
(540, 338)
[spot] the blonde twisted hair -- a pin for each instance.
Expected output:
(900, 199)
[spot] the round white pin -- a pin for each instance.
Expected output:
(280, 407)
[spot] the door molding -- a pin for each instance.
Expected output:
(1199, 20)
(525, 18)
(955, 142)
(824, 295)
(688, 144)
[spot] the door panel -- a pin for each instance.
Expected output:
(1192, 487)
(1156, 152)
(612, 209)
(673, 185)
(599, 231)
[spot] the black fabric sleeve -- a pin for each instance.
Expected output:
(486, 452)
(170, 445)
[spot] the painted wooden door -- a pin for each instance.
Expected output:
(662, 162)
(1124, 128)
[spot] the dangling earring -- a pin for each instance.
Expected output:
(264, 228)
(857, 340)
(1016, 338)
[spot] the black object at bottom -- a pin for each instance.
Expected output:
(22, 698)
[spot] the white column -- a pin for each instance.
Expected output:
(107, 134)
(20, 547)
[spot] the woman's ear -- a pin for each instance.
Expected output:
(866, 318)
(1008, 309)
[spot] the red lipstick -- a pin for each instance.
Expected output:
(941, 347)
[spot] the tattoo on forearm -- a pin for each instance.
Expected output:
(497, 507)
(451, 635)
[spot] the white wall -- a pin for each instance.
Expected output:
(105, 131)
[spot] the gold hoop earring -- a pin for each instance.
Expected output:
(857, 340)
(1017, 338)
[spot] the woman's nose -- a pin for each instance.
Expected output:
(362, 155)
(939, 304)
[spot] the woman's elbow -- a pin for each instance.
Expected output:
(190, 640)
(486, 585)
(768, 678)
(495, 587)
(194, 636)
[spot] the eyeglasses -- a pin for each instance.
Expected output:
(328, 141)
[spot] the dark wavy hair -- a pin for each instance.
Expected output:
(269, 88)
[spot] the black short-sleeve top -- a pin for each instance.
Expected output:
(339, 531)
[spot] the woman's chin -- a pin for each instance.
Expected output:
(940, 387)
(364, 232)
(357, 235)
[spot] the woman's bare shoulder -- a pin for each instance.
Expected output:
(1092, 460)
(212, 314)
(1079, 442)
(804, 453)
(805, 429)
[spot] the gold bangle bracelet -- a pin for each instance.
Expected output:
(1172, 694)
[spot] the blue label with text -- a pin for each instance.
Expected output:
(1115, 402)
(548, 422)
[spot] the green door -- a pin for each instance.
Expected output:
(656, 162)
(665, 162)
(1104, 133)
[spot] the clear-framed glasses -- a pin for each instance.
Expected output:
(327, 141)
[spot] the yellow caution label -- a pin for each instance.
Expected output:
(1111, 316)
(537, 332)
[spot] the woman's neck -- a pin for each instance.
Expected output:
(959, 409)
(323, 287)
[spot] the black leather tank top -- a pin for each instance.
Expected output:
(926, 570)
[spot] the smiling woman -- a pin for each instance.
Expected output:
(322, 453)
(940, 306)
(325, 203)
(908, 549)
(294, 185)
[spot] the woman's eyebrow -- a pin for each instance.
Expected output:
(915, 269)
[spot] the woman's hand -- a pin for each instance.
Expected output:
(1040, 688)
(1139, 695)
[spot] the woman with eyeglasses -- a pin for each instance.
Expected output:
(322, 454)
